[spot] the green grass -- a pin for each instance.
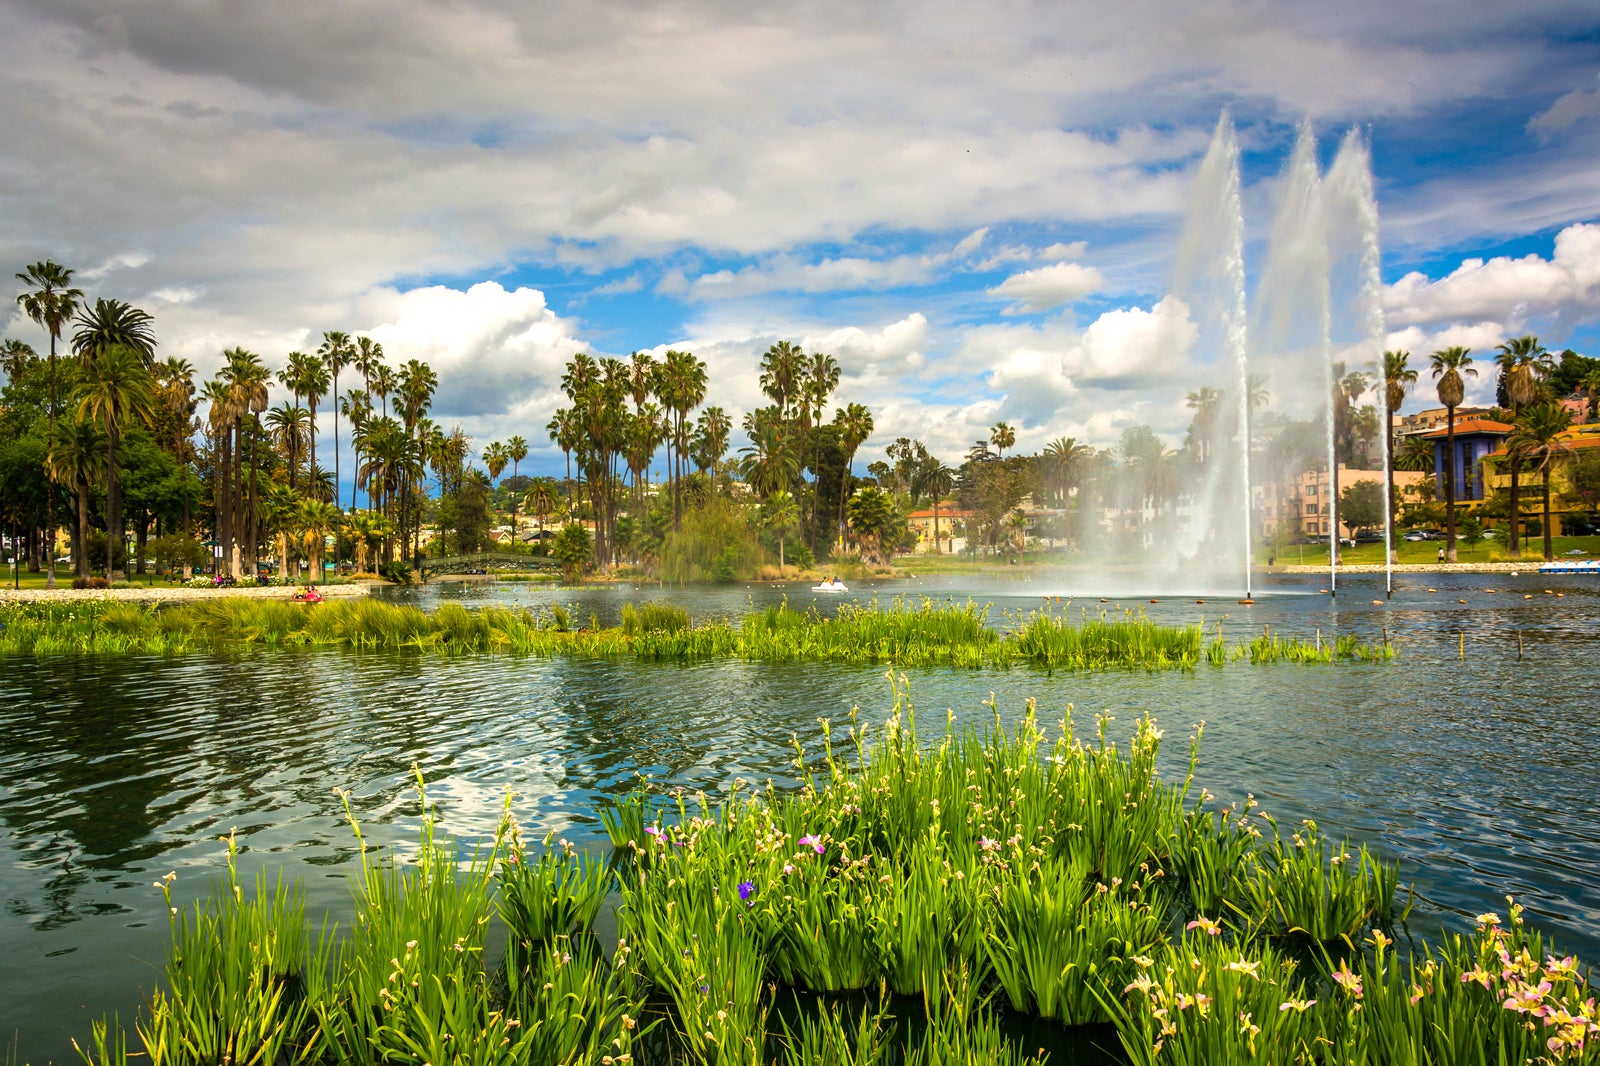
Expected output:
(909, 892)
(906, 633)
(1426, 552)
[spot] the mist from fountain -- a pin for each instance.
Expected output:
(1317, 300)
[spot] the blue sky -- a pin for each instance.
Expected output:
(974, 210)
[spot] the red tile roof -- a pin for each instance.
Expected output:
(1472, 425)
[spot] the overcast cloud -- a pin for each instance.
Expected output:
(973, 208)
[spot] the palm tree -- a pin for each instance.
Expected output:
(872, 518)
(495, 459)
(15, 357)
(50, 300)
(542, 499)
(114, 322)
(563, 431)
(115, 386)
(1205, 402)
(781, 370)
(364, 527)
(336, 352)
(780, 515)
(383, 383)
(821, 379)
(1398, 378)
(645, 432)
(247, 380)
(316, 519)
(219, 421)
(1415, 454)
(711, 437)
(516, 451)
(289, 426)
(1002, 436)
(1523, 363)
(1448, 364)
(771, 461)
(282, 513)
(855, 426)
(79, 460)
(933, 478)
(1537, 441)
(681, 387)
(311, 380)
(1066, 459)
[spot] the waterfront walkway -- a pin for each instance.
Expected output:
(164, 593)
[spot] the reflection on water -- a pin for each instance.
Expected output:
(1480, 773)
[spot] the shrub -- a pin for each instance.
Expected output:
(90, 583)
(397, 571)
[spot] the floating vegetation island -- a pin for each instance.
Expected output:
(905, 634)
(912, 902)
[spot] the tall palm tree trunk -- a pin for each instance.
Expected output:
(80, 547)
(1450, 486)
(49, 482)
(235, 566)
(113, 505)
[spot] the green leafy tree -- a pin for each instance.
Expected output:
(575, 548)
(1361, 505)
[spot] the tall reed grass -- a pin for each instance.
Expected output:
(906, 633)
(913, 892)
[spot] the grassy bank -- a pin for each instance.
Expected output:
(912, 901)
(907, 634)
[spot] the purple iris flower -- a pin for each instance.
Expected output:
(746, 890)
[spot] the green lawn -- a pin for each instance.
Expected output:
(1490, 550)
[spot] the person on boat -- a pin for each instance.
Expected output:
(312, 595)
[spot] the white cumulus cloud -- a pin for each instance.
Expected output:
(1048, 287)
(1506, 289)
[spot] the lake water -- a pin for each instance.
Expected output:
(1482, 774)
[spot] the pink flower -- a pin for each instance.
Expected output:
(813, 842)
(987, 844)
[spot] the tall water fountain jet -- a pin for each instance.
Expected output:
(1209, 276)
(1318, 299)
(1356, 256)
(1291, 332)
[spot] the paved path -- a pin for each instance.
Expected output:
(160, 593)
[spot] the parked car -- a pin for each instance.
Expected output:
(1415, 535)
(1369, 536)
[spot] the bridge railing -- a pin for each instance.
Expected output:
(455, 564)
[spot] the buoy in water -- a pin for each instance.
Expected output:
(1248, 603)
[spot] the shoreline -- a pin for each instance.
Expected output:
(1521, 566)
(178, 593)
